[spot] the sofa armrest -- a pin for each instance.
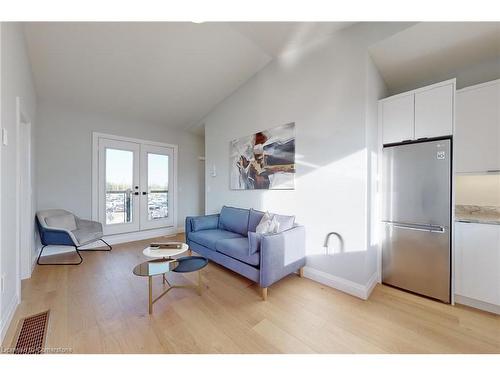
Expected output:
(281, 254)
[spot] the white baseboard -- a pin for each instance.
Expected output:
(5, 323)
(495, 309)
(347, 286)
(371, 284)
(139, 236)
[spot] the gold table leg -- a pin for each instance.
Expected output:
(150, 285)
(151, 301)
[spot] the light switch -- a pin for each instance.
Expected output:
(5, 140)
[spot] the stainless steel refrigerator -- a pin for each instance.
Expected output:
(416, 215)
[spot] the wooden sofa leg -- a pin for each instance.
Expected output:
(301, 272)
(264, 294)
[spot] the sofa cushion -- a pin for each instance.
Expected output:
(209, 238)
(234, 220)
(65, 221)
(254, 242)
(254, 219)
(205, 222)
(237, 248)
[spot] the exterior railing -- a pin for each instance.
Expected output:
(127, 200)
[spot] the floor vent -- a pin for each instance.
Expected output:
(32, 331)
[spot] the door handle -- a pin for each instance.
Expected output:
(419, 227)
(438, 230)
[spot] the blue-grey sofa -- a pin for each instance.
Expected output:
(228, 239)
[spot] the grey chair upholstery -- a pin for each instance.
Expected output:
(61, 227)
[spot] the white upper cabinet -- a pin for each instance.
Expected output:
(434, 112)
(477, 129)
(423, 113)
(397, 117)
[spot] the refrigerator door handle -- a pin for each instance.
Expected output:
(418, 227)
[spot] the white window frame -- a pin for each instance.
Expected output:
(95, 171)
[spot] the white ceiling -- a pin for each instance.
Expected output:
(429, 51)
(168, 73)
(276, 38)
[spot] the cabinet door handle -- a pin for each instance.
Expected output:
(493, 171)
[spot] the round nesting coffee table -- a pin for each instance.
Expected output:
(162, 266)
(177, 249)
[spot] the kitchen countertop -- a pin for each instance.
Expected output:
(477, 214)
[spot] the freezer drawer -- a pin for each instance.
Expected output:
(417, 259)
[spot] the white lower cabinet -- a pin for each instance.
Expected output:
(477, 262)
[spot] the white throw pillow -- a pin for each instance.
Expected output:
(269, 224)
(263, 226)
(274, 227)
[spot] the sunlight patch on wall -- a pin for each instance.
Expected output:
(327, 198)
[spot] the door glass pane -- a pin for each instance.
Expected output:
(119, 185)
(157, 186)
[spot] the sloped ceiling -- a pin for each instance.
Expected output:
(433, 51)
(167, 72)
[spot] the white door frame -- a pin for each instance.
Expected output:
(95, 169)
(25, 224)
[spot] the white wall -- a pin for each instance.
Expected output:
(375, 89)
(330, 91)
(16, 81)
(64, 154)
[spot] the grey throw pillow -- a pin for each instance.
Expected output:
(253, 242)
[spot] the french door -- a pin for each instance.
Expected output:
(135, 185)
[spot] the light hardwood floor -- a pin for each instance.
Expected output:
(101, 307)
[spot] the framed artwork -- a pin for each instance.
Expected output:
(264, 160)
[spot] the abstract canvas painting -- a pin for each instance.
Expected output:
(264, 160)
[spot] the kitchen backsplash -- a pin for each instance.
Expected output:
(478, 190)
